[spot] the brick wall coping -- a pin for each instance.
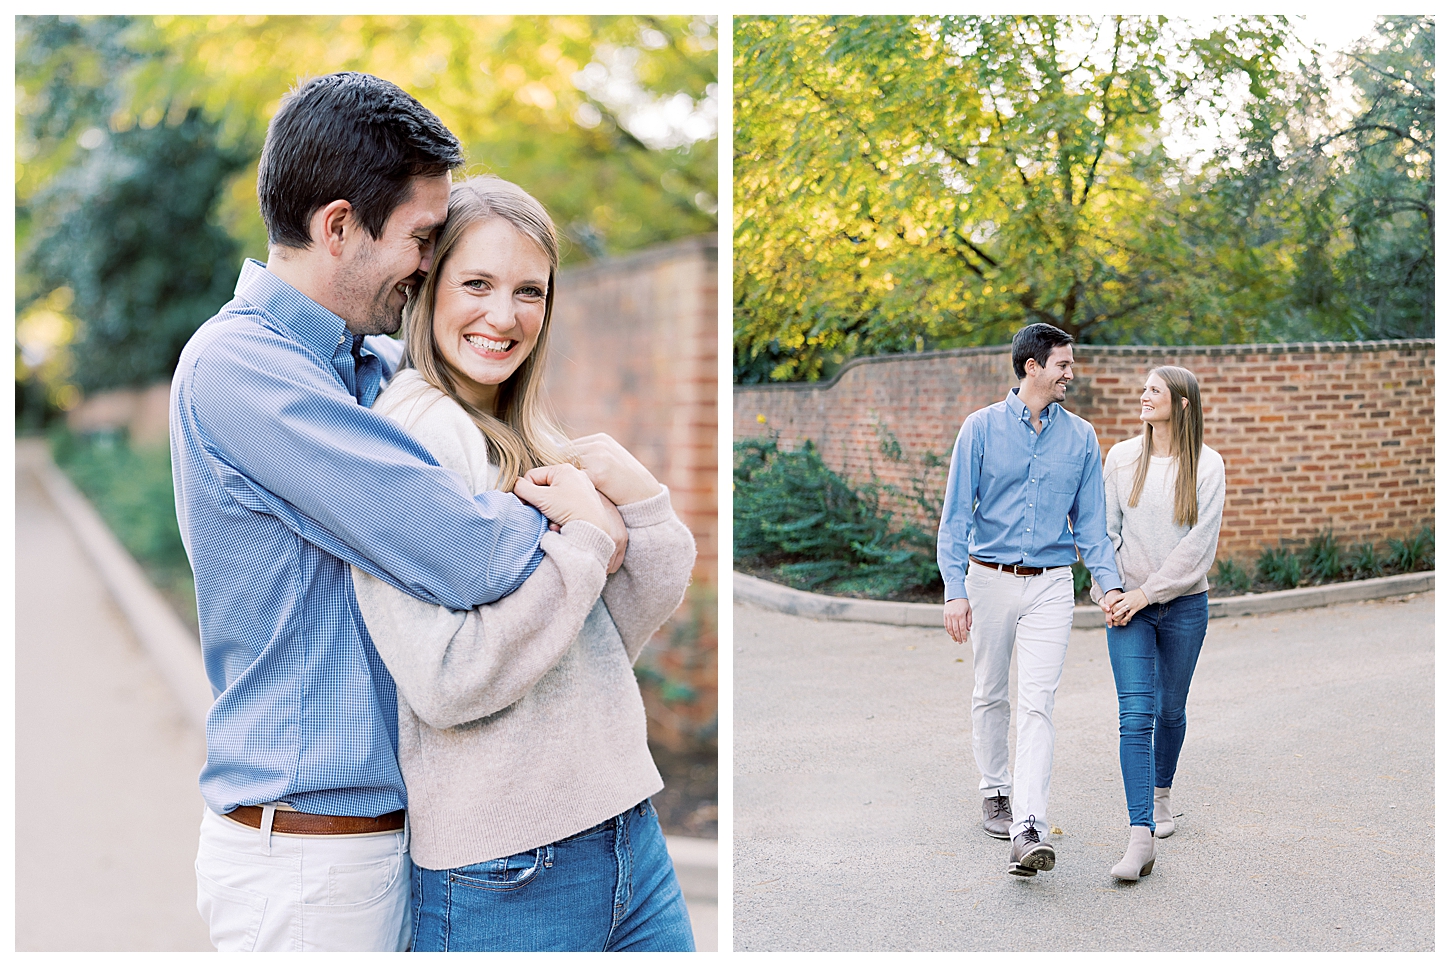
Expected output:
(664, 252)
(1236, 349)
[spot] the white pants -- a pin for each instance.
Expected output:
(279, 891)
(1036, 613)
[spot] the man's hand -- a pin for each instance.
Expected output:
(957, 616)
(614, 470)
(1109, 599)
(1128, 605)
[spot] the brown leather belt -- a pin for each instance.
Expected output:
(1016, 569)
(288, 821)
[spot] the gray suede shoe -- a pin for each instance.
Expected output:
(1029, 854)
(1162, 812)
(997, 816)
(1138, 860)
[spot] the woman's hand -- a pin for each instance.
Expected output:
(1128, 605)
(562, 493)
(614, 470)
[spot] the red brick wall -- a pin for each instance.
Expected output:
(633, 354)
(1313, 435)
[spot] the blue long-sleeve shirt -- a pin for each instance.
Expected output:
(1036, 500)
(283, 478)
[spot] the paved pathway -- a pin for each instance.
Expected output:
(1306, 785)
(106, 802)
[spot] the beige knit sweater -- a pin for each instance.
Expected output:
(1166, 559)
(520, 722)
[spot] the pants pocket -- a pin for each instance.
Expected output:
(505, 873)
(233, 916)
(362, 882)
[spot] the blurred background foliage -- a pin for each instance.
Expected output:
(910, 183)
(137, 141)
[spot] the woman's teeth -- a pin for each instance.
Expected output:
(490, 345)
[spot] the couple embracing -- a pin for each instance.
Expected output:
(419, 601)
(1026, 496)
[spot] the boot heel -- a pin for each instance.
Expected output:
(1147, 868)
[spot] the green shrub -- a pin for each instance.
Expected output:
(1363, 562)
(797, 516)
(1082, 578)
(1231, 576)
(1413, 554)
(131, 489)
(1322, 558)
(1280, 567)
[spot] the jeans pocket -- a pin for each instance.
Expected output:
(505, 873)
(233, 916)
(361, 882)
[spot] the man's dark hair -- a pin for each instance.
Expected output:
(1036, 341)
(350, 136)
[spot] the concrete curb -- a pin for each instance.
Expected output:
(777, 597)
(168, 642)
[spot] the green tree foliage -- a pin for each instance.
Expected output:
(1389, 204)
(137, 140)
(608, 120)
(913, 182)
(127, 232)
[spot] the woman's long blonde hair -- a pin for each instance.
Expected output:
(521, 433)
(1185, 442)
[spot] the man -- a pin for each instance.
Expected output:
(284, 478)
(1024, 497)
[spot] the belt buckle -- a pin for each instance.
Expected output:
(1014, 569)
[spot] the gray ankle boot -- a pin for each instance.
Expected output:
(1162, 812)
(1138, 860)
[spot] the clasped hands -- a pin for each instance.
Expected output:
(1119, 607)
(608, 475)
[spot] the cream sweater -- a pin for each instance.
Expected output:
(520, 722)
(1166, 559)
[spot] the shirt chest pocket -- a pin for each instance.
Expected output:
(1060, 477)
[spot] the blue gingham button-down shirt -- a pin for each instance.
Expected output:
(283, 478)
(1016, 495)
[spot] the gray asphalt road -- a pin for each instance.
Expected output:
(1306, 787)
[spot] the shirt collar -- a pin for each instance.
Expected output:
(1017, 408)
(315, 327)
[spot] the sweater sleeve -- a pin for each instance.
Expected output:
(1189, 561)
(457, 666)
(651, 582)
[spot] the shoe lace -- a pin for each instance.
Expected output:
(1031, 831)
(1000, 804)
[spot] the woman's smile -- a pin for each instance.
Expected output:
(489, 308)
(492, 348)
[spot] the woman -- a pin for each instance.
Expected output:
(521, 733)
(1165, 501)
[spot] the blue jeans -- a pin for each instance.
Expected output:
(1153, 658)
(611, 887)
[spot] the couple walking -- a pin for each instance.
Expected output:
(419, 601)
(1026, 495)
